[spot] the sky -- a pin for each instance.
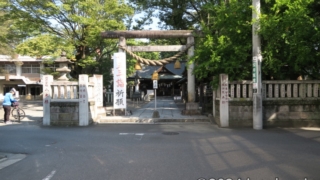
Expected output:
(153, 26)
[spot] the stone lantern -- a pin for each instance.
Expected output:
(63, 67)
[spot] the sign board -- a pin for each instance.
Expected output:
(255, 72)
(150, 92)
(155, 84)
(120, 81)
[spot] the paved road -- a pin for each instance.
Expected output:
(162, 151)
(168, 152)
(168, 111)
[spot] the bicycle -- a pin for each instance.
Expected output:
(17, 112)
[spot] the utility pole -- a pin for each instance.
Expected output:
(256, 68)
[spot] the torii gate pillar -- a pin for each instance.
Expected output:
(191, 106)
(122, 42)
(191, 78)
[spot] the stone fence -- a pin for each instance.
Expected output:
(72, 103)
(285, 103)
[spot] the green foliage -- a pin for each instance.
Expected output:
(290, 40)
(45, 44)
(173, 14)
(8, 37)
(70, 25)
(226, 47)
(291, 37)
(49, 71)
(289, 31)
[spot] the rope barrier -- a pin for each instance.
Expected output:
(156, 62)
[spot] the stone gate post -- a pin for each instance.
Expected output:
(98, 81)
(83, 100)
(98, 95)
(46, 98)
(224, 100)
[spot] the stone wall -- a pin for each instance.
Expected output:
(240, 113)
(67, 113)
(276, 113)
(216, 116)
(292, 113)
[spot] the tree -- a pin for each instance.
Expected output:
(176, 14)
(226, 46)
(226, 26)
(291, 39)
(8, 38)
(45, 44)
(74, 22)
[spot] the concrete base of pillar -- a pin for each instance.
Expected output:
(118, 112)
(192, 108)
(155, 114)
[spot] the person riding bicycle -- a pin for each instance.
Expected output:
(7, 101)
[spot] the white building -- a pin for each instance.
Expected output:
(22, 73)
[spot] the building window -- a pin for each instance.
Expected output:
(52, 67)
(31, 68)
(8, 68)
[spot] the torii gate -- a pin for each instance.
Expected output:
(191, 106)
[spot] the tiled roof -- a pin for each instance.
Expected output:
(7, 58)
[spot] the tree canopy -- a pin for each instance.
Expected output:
(70, 25)
(289, 32)
(8, 37)
(291, 39)
(226, 46)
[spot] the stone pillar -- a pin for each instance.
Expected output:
(47, 80)
(41, 73)
(256, 72)
(98, 81)
(213, 103)
(83, 100)
(122, 42)
(192, 108)
(191, 78)
(18, 68)
(98, 95)
(28, 92)
(214, 96)
(131, 91)
(224, 100)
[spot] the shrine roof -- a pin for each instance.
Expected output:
(167, 72)
(8, 58)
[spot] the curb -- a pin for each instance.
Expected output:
(2, 157)
(122, 120)
(7, 159)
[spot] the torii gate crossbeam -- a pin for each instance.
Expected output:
(160, 34)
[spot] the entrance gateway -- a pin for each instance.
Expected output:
(191, 105)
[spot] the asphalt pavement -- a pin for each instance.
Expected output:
(141, 112)
(167, 109)
(191, 151)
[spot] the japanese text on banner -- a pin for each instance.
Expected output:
(119, 87)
